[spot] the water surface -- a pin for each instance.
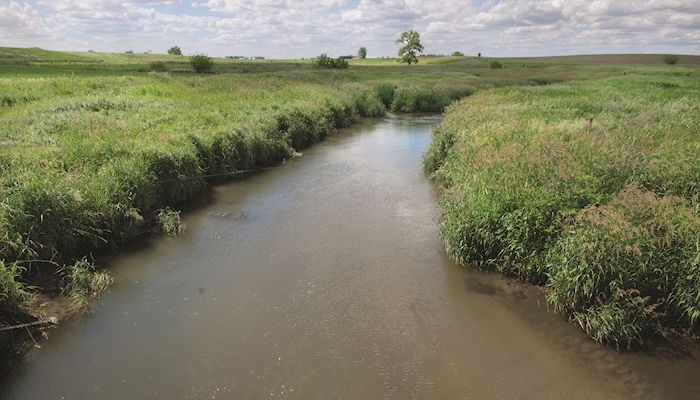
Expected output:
(326, 278)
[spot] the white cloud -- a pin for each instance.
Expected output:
(289, 28)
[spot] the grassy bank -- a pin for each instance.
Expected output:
(589, 188)
(93, 149)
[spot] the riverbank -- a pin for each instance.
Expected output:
(587, 188)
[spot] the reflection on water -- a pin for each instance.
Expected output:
(326, 278)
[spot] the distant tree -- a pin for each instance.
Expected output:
(323, 61)
(175, 51)
(479, 55)
(129, 52)
(457, 54)
(411, 46)
(201, 63)
(670, 59)
(362, 52)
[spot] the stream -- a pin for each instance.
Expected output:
(326, 278)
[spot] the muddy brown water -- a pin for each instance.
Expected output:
(326, 279)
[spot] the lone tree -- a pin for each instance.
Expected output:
(362, 52)
(411, 46)
(457, 54)
(175, 51)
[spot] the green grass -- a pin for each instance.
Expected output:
(590, 188)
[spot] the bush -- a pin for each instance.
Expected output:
(457, 54)
(323, 61)
(671, 59)
(201, 63)
(495, 64)
(157, 66)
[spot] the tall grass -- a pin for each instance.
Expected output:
(87, 162)
(589, 188)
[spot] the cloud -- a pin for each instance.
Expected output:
(294, 28)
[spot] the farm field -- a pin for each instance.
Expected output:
(97, 149)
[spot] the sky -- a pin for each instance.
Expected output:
(306, 28)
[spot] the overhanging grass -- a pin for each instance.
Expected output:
(587, 187)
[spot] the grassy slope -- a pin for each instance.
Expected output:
(606, 213)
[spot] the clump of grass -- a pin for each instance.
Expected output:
(13, 292)
(495, 64)
(81, 281)
(169, 222)
(385, 92)
(426, 98)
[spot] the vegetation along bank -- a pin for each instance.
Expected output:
(589, 188)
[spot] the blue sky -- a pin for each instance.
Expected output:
(304, 28)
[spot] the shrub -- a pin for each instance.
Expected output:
(495, 64)
(671, 59)
(457, 54)
(323, 61)
(157, 66)
(201, 63)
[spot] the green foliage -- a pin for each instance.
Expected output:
(410, 47)
(169, 222)
(201, 63)
(157, 66)
(385, 92)
(362, 52)
(426, 98)
(81, 281)
(323, 61)
(535, 189)
(494, 64)
(457, 54)
(175, 51)
(671, 59)
(636, 256)
(13, 292)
